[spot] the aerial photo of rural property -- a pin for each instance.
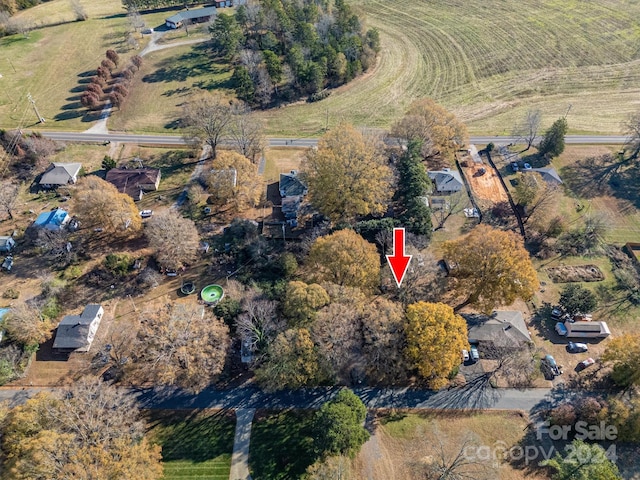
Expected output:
(319, 240)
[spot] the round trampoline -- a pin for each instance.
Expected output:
(188, 288)
(212, 294)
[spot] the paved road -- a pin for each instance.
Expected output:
(290, 142)
(471, 396)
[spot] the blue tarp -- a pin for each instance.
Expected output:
(52, 220)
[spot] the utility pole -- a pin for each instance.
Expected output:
(35, 109)
(326, 124)
(11, 63)
(567, 112)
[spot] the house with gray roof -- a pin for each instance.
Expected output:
(502, 329)
(199, 15)
(292, 191)
(76, 332)
(59, 174)
(446, 181)
(549, 175)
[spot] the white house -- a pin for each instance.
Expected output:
(76, 332)
(446, 181)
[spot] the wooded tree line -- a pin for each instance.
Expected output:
(284, 49)
(12, 6)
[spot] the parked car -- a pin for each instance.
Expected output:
(514, 166)
(147, 31)
(561, 329)
(552, 365)
(585, 363)
(8, 263)
(573, 347)
(146, 213)
(465, 356)
(526, 166)
(556, 312)
(475, 356)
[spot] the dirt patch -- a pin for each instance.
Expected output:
(485, 186)
(576, 273)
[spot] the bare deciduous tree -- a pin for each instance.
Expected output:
(78, 10)
(259, 322)
(528, 128)
(246, 133)
(632, 129)
(207, 119)
(181, 344)
(451, 205)
(174, 238)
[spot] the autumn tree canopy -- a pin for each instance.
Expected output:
(435, 339)
(89, 431)
(438, 131)
(234, 179)
(490, 267)
(291, 362)
(183, 345)
(622, 352)
(345, 258)
(346, 175)
(26, 325)
(302, 301)
(98, 203)
(174, 238)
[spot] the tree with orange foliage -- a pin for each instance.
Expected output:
(490, 267)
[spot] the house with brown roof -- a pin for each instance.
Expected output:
(134, 182)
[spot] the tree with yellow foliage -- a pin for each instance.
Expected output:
(490, 267)
(345, 258)
(302, 301)
(291, 362)
(98, 203)
(438, 130)
(622, 352)
(89, 431)
(435, 339)
(234, 179)
(26, 325)
(346, 175)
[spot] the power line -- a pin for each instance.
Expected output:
(35, 108)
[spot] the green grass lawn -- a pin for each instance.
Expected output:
(488, 61)
(167, 79)
(195, 444)
(281, 445)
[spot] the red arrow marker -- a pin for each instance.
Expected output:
(399, 262)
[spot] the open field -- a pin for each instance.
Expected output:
(164, 83)
(195, 444)
(487, 61)
(490, 61)
(404, 441)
